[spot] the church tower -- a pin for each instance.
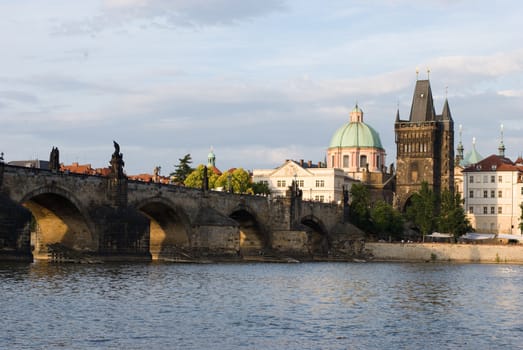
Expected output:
(425, 147)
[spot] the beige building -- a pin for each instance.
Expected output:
(317, 183)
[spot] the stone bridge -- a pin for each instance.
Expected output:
(50, 214)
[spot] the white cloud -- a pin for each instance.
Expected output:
(511, 93)
(170, 13)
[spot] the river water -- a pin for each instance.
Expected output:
(261, 306)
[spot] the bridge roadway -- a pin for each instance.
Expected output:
(51, 215)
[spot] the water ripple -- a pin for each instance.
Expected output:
(261, 306)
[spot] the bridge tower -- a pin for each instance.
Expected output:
(425, 147)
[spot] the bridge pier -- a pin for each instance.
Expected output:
(15, 235)
(124, 234)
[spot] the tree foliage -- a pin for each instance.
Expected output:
(452, 218)
(183, 169)
(422, 209)
(359, 206)
(237, 181)
(195, 178)
(261, 188)
(387, 221)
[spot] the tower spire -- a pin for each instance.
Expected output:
(460, 157)
(501, 147)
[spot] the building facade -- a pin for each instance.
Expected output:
(316, 183)
(424, 147)
(493, 192)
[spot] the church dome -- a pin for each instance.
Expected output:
(356, 134)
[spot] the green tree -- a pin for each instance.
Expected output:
(183, 169)
(422, 209)
(452, 218)
(239, 180)
(261, 188)
(359, 206)
(387, 221)
(195, 178)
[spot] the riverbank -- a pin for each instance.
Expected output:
(464, 253)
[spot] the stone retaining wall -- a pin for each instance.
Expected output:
(477, 253)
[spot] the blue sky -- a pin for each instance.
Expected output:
(259, 81)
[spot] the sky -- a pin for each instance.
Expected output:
(258, 81)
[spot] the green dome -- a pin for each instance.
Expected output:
(356, 134)
(471, 157)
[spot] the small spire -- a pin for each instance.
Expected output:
(460, 148)
(428, 73)
(417, 73)
(501, 148)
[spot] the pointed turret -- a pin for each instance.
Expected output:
(445, 115)
(422, 103)
(398, 115)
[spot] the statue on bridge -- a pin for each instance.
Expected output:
(54, 160)
(117, 163)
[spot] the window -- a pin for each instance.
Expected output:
(500, 210)
(492, 179)
(485, 178)
(485, 194)
(471, 179)
(345, 161)
(485, 210)
(492, 210)
(300, 183)
(363, 161)
(500, 179)
(319, 198)
(320, 183)
(471, 194)
(471, 210)
(492, 194)
(500, 194)
(281, 183)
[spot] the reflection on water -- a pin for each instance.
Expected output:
(261, 306)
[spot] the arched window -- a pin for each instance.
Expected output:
(363, 161)
(346, 161)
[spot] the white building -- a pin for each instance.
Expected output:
(317, 183)
(493, 192)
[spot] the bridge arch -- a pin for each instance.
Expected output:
(169, 228)
(319, 240)
(59, 218)
(253, 238)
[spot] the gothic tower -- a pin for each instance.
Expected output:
(425, 147)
